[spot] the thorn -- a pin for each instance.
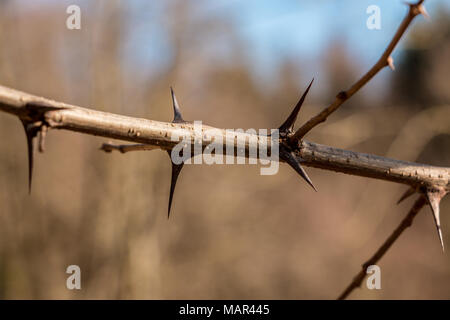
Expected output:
(434, 196)
(177, 117)
(288, 125)
(423, 11)
(176, 169)
(407, 194)
(36, 111)
(31, 131)
(390, 63)
(290, 159)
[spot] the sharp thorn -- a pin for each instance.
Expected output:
(423, 11)
(30, 132)
(288, 125)
(390, 63)
(36, 110)
(407, 194)
(177, 117)
(176, 169)
(434, 197)
(291, 159)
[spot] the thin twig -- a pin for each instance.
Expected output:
(384, 61)
(406, 222)
(124, 148)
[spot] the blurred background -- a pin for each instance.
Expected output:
(233, 233)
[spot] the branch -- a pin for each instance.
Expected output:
(406, 222)
(156, 134)
(384, 61)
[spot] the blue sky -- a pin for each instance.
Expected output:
(304, 28)
(271, 29)
(275, 30)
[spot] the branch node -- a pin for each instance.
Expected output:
(342, 95)
(106, 147)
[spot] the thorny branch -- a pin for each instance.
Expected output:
(38, 115)
(158, 135)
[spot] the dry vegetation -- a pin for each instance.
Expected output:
(234, 233)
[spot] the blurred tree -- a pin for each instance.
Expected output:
(421, 76)
(342, 71)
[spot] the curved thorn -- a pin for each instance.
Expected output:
(176, 169)
(177, 117)
(288, 125)
(407, 194)
(290, 159)
(434, 197)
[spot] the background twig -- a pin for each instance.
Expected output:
(406, 222)
(384, 61)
